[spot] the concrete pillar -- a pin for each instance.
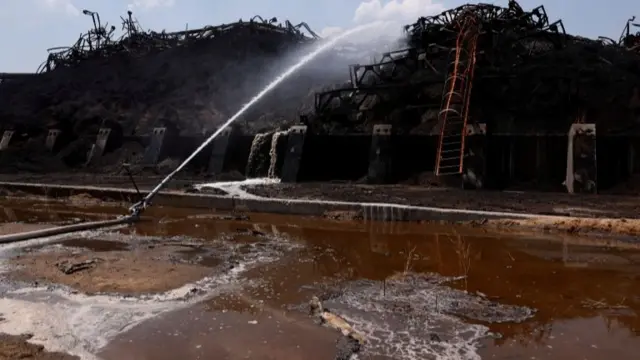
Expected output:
(582, 170)
(475, 164)
(293, 157)
(52, 139)
(98, 148)
(380, 155)
(218, 155)
(7, 136)
(155, 149)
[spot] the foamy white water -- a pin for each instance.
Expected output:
(67, 321)
(411, 318)
(234, 188)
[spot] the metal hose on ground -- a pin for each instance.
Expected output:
(92, 225)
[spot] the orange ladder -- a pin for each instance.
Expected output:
(454, 112)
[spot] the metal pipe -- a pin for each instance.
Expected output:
(11, 238)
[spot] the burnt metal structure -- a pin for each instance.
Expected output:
(145, 79)
(100, 42)
(434, 47)
(527, 74)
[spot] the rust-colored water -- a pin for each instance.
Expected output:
(587, 297)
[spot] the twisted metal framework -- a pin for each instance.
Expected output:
(99, 42)
(523, 59)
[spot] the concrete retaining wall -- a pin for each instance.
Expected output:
(538, 161)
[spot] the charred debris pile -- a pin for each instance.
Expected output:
(192, 80)
(522, 72)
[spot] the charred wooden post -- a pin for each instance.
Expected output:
(219, 150)
(582, 169)
(380, 155)
(293, 157)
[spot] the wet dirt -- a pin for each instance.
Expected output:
(17, 347)
(105, 267)
(587, 226)
(96, 245)
(402, 285)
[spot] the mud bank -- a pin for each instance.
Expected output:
(611, 216)
(586, 226)
(144, 269)
(554, 204)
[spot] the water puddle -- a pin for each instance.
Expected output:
(413, 291)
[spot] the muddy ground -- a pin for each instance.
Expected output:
(608, 215)
(596, 215)
(201, 285)
(17, 348)
(597, 206)
(118, 268)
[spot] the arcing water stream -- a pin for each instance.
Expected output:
(306, 59)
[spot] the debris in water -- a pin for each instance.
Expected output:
(69, 268)
(334, 321)
(413, 316)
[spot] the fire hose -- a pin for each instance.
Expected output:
(60, 230)
(134, 211)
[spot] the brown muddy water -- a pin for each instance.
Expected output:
(415, 291)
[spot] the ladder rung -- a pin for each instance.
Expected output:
(450, 158)
(449, 173)
(449, 167)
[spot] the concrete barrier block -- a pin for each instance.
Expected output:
(7, 136)
(293, 157)
(155, 149)
(99, 147)
(219, 148)
(51, 141)
(582, 168)
(380, 155)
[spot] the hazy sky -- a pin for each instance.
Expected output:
(29, 27)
